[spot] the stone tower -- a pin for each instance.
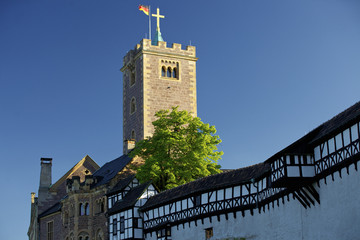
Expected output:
(156, 77)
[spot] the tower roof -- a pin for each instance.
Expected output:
(157, 38)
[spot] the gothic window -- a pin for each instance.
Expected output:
(83, 236)
(99, 235)
(169, 72)
(174, 74)
(132, 105)
(133, 134)
(86, 209)
(102, 207)
(132, 78)
(122, 224)
(163, 71)
(50, 230)
(115, 226)
(209, 233)
(81, 210)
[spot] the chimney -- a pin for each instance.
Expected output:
(45, 174)
(129, 145)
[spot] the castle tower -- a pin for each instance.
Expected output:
(156, 77)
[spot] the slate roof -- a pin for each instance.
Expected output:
(129, 200)
(339, 122)
(336, 124)
(121, 185)
(110, 169)
(209, 183)
(55, 208)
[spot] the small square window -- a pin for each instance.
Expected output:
(209, 233)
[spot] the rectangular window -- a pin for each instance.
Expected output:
(115, 226)
(50, 230)
(136, 223)
(197, 200)
(122, 224)
(209, 233)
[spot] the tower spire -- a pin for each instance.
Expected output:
(158, 36)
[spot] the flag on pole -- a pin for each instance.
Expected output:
(144, 8)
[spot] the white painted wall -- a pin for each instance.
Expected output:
(337, 217)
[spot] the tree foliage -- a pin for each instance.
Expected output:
(182, 149)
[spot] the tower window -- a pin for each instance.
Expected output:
(133, 134)
(163, 71)
(132, 105)
(86, 209)
(132, 78)
(174, 73)
(81, 210)
(169, 72)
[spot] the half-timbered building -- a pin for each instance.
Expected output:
(125, 219)
(309, 190)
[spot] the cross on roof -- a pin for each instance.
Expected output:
(158, 16)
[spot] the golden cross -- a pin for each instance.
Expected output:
(158, 16)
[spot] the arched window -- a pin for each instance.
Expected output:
(174, 73)
(132, 78)
(163, 71)
(102, 207)
(86, 209)
(133, 134)
(169, 72)
(132, 105)
(81, 210)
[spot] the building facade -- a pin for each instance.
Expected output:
(308, 190)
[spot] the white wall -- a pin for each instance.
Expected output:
(337, 217)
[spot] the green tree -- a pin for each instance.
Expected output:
(182, 149)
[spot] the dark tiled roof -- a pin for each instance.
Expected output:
(55, 208)
(110, 169)
(338, 123)
(217, 181)
(121, 185)
(130, 199)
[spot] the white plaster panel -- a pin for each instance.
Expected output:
(354, 132)
(308, 171)
(237, 191)
(331, 145)
(228, 193)
(346, 136)
(220, 194)
(204, 198)
(339, 143)
(293, 171)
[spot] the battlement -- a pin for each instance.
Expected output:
(162, 48)
(75, 184)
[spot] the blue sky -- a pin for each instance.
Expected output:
(268, 73)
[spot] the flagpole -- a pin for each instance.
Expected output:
(150, 22)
